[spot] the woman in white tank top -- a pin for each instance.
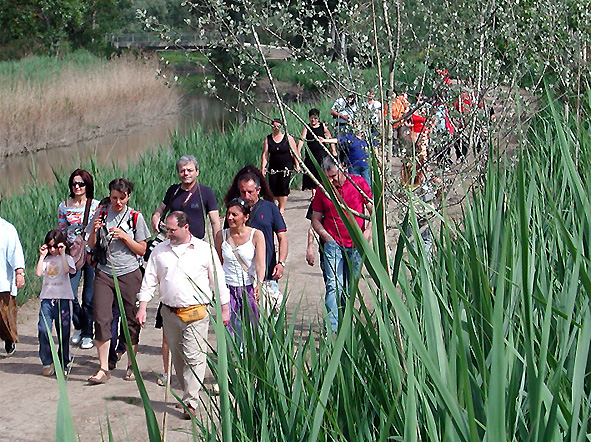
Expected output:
(242, 252)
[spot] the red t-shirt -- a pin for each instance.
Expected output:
(352, 198)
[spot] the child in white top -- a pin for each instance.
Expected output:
(56, 297)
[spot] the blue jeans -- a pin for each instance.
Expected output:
(341, 264)
(82, 316)
(58, 311)
(360, 169)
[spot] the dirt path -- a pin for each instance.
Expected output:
(29, 411)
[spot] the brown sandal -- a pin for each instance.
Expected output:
(129, 374)
(100, 377)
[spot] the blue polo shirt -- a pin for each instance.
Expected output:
(265, 216)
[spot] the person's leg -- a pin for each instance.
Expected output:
(76, 309)
(235, 325)
(172, 329)
(333, 269)
(62, 328)
(103, 316)
(44, 327)
(8, 315)
(87, 295)
(281, 203)
(351, 270)
(194, 349)
(130, 285)
(115, 346)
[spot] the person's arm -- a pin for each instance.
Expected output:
(148, 288)
(16, 258)
(62, 249)
(333, 146)
(136, 247)
(218, 239)
(295, 154)
(265, 157)
(303, 136)
(157, 216)
(215, 269)
(310, 255)
(214, 220)
(62, 221)
(319, 228)
(282, 244)
(259, 255)
(42, 255)
(97, 223)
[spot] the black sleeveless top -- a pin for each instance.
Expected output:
(315, 147)
(279, 154)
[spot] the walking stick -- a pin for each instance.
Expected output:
(168, 376)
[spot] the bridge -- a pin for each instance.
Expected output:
(182, 41)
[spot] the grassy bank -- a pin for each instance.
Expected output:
(49, 101)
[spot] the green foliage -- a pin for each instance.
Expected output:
(486, 339)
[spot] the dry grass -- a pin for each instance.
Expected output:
(80, 102)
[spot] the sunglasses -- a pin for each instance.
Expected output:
(78, 184)
(52, 247)
(240, 201)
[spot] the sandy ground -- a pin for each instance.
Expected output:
(29, 413)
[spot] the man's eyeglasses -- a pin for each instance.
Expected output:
(78, 184)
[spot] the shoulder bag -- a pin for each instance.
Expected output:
(78, 245)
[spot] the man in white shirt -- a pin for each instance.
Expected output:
(186, 268)
(12, 277)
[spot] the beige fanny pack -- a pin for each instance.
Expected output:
(191, 313)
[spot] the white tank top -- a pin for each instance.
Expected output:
(235, 274)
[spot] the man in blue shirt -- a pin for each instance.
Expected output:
(12, 277)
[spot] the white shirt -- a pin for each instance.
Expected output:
(56, 282)
(342, 107)
(187, 274)
(11, 257)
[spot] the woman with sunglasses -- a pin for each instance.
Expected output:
(70, 214)
(278, 161)
(242, 252)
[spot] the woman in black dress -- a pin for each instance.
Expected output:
(315, 149)
(278, 162)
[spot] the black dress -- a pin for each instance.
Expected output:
(280, 165)
(316, 150)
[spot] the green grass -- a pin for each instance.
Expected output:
(40, 69)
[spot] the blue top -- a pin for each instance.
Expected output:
(355, 148)
(265, 216)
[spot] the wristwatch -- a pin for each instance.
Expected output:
(282, 263)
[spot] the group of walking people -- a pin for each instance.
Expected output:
(101, 245)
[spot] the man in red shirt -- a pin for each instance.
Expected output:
(341, 259)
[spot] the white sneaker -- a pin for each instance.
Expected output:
(76, 337)
(87, 343)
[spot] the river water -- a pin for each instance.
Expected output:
(119, 148)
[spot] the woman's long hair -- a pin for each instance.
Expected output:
(247, 173)
(87, 178)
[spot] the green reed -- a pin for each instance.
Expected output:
(495, 326)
